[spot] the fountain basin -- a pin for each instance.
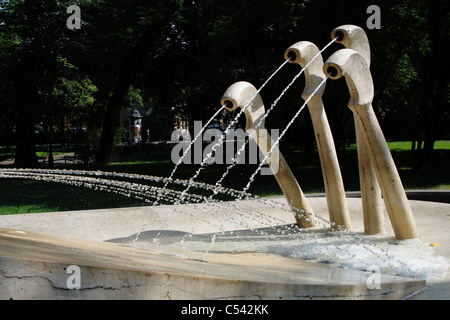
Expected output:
(169, 259)
(34, 267)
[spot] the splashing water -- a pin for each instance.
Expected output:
(190, 146)
(348, 250)
(92, 179)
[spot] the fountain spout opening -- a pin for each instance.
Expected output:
(353, 37)
(230, 105)
(332, 71)
(291, 56)
(339, 35)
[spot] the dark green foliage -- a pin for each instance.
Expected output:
(180, 56)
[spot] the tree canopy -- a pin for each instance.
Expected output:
(180, 56)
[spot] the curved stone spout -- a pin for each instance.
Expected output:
(308, 56)
(353, 37)
(244, 95)
(350, 64)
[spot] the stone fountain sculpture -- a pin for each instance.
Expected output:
(353, 37)
(354, 66)
(36, 260)
(379, 177)
(302, 53)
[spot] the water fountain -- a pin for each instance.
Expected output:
(188, 245)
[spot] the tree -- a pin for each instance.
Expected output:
(67, 101)
(34, 34)
(153, 22)
(436, 79)
(182, 55)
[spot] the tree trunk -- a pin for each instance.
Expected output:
(25, 156)
(436, 81)
(133, 61)
(26, 150)
(111, 118)
(50, 146)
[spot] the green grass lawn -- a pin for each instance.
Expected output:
(26, 196)
(41, 151)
